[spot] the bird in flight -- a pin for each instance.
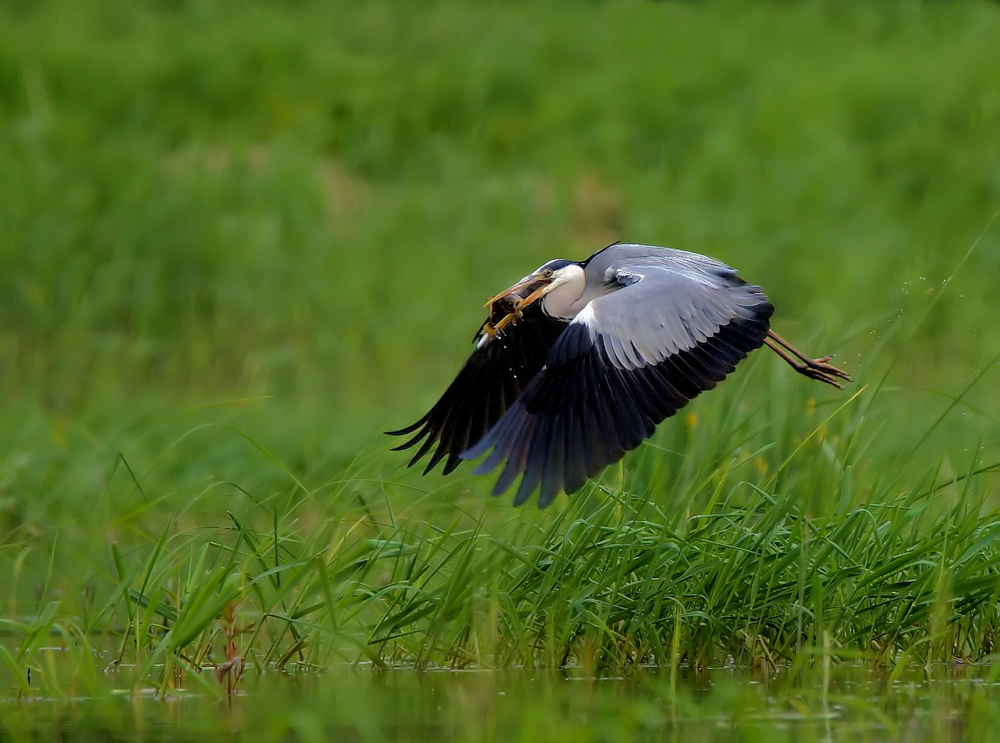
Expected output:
(579, 361)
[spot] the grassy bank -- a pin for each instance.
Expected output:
(240, 241)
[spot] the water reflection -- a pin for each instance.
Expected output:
(853, 703)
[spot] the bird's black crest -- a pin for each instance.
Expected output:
(556, 264)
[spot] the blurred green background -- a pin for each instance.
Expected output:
(285, 217)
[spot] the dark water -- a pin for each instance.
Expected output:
(849, 704)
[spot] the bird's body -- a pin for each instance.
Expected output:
(578, 362)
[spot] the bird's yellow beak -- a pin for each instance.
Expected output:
(526, 291)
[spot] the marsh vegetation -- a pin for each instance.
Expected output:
(237, 242)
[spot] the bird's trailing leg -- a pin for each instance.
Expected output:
(812, 368)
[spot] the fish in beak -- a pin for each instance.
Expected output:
(525, 292)
(512, 301)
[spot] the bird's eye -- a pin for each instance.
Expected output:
(548, 273)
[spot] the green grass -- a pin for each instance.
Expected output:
(730, 540)
(240, 240)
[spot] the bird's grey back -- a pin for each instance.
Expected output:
(631, 255)
(676, 301)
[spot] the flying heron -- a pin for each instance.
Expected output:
(578, 361)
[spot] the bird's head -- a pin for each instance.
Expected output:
(545, 279)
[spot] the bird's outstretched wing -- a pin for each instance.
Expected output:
(492, 378)
(676, 327)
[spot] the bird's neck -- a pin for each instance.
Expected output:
(564, 300)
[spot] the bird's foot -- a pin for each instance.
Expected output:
(820, 370)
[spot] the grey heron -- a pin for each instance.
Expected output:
(579, 361)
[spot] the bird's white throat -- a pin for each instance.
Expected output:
(562, 300)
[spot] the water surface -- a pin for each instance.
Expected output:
(359, 704)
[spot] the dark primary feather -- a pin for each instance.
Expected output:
(487, 385)
(583, 411)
